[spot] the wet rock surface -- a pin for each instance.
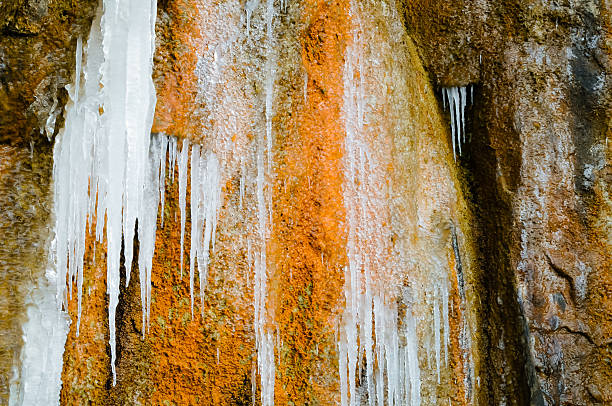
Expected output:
(538, 166)
(37, 47)
(525, 218)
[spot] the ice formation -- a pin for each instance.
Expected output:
(101, 160)
(455, 99)
(107, 163)
(264, 336)
(370, 334)
(39, 380)
(205, 202)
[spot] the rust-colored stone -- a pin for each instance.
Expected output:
(308, 244)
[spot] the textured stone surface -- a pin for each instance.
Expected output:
(37, 46)
(520, 224)
(539, 169)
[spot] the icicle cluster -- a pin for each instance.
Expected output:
(441, 324)
(106, 164)
(369, 332)
(455, 99)
(205, 202)
(101, 160)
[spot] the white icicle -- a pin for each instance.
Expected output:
(242, 182)
(251, 5)
(195, 218)
(456, 99)
(147, 224)
(412, 361)
(445, 321)
(183, 161)
(162, 173)
(172, 156)
(457, 117)
(207, 213)
(447, 92)
(77, 70)
(463, 97)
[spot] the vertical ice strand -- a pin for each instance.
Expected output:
(183, 158)
(264, 335)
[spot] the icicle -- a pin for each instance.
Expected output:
(162, 173)
(445, 320)
(448, 93)
(100, 161)
(463, 94)
(242, 182)
(182, 173)
(444, 91)
(251, 5)
(472, 94)
(172, 146)
(77, 70)
(412, 362)
(195, 218)
(207, 213)
(147, 223)
(456, 99)
(457, 117)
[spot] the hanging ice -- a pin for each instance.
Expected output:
(455, 98)
(101, 158)
(205, 202)
(369, 336)
(264, 338)
(39, 379)
(183, 158)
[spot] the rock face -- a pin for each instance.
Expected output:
(538, 169)
(37, 47)
(340, 198)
